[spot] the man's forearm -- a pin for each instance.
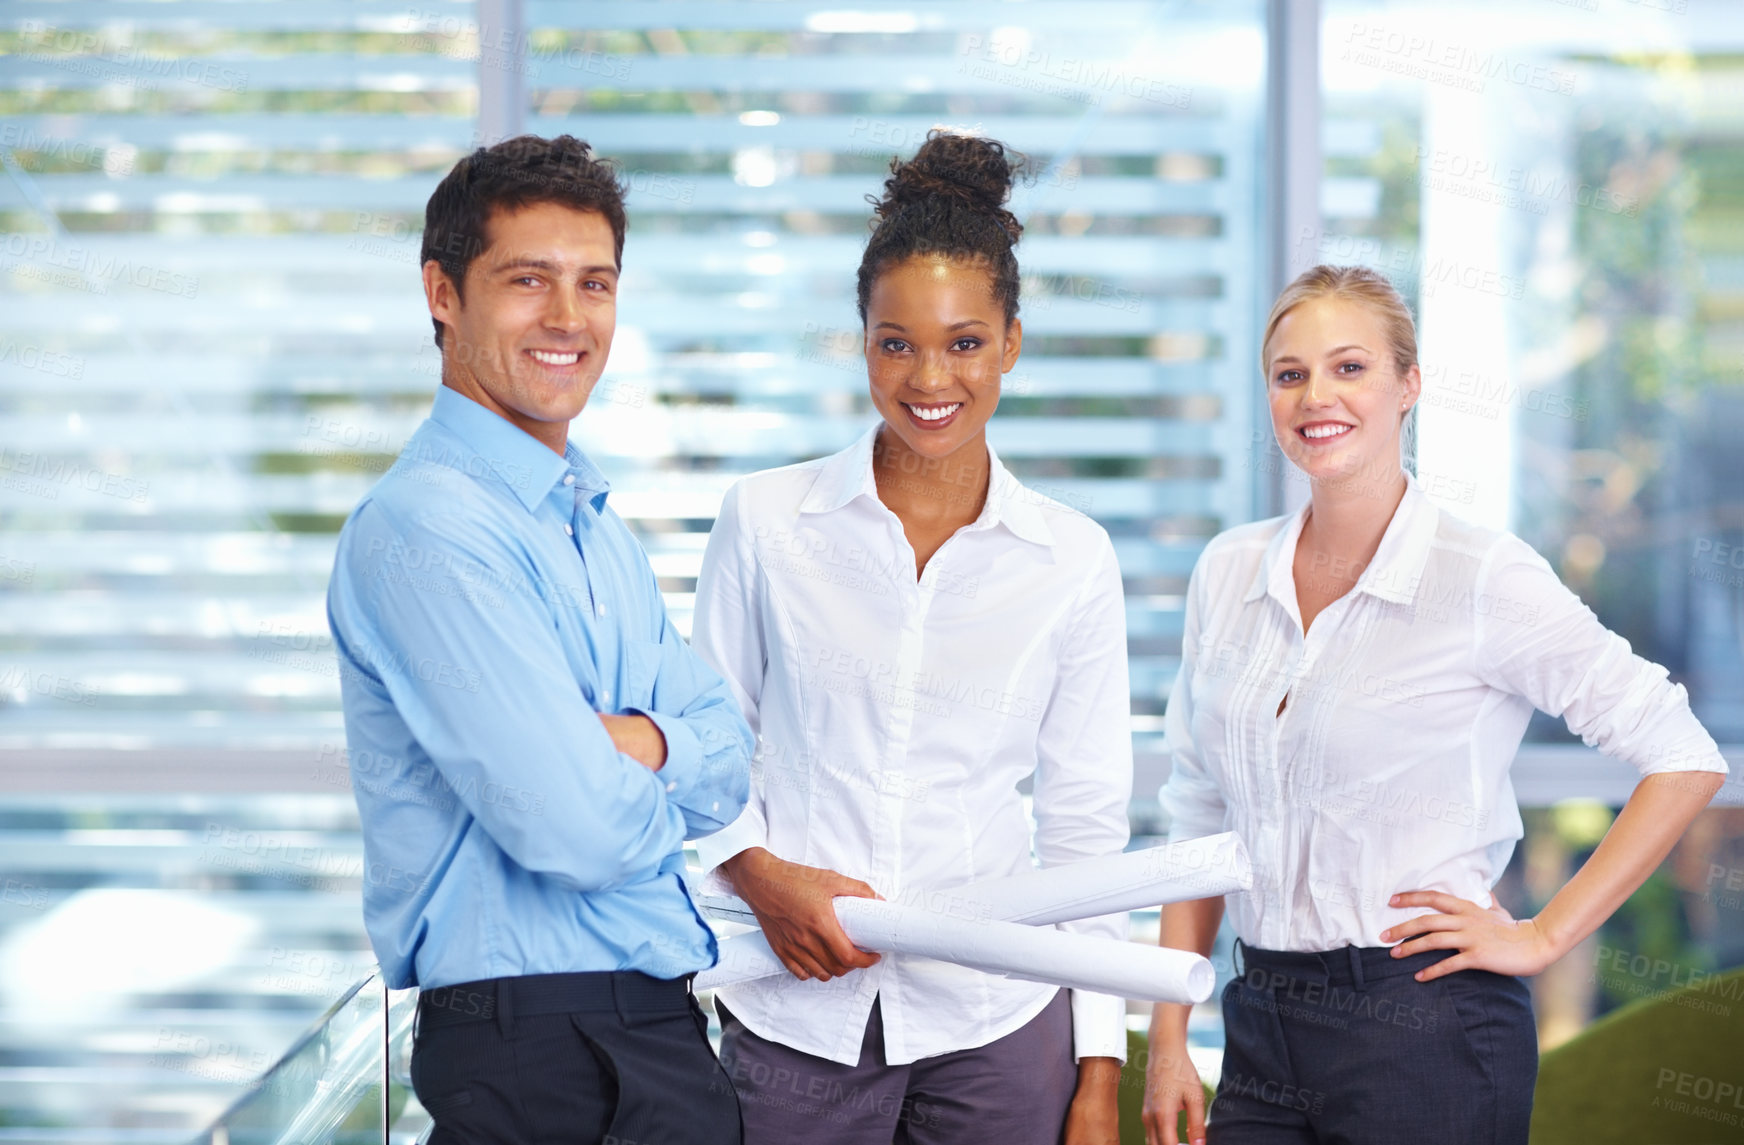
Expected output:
(637, 737)
(707, 764)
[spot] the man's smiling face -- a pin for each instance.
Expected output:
(531, 336)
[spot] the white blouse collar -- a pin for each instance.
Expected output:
(1393, 575)
(847, 475)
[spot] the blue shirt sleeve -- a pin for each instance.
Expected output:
(707, 775)
(482, 683)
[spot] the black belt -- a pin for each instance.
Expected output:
(628, 992)
(1347, 966)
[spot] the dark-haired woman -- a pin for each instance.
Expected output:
(913, 633)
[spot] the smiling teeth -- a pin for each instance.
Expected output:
(1325, 430)
(936, 413)
(552, 359)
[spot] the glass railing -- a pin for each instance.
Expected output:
(345, 1082)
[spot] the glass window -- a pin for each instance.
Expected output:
(207, 351)
(1549, 187)
(220, 342)
(213, 342)
(751, 140)
(1552, 186)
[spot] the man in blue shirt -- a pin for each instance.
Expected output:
(531, 742)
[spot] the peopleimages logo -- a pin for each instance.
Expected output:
(1449, 62)
(1020, 64)
(114, 160)
(36, 358)
(121, 62)
(1486, 180)
(96, 270)
(56, 473)
(21, 683)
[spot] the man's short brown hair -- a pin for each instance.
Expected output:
(515, 173)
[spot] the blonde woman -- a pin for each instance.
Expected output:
(1355, 680)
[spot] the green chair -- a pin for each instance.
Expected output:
(1667, 1070)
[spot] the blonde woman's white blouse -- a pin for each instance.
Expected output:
(896, 718)
(1387, 770)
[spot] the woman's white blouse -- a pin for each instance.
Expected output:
(1388, 769)
(896, 718)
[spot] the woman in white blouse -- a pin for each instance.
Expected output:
(912, 634)
(1355, 681)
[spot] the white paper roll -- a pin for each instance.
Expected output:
(1134, 880)
(1036, 953)
(743, 958)
(1193, 869)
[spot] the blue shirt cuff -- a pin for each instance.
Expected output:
(683, 755)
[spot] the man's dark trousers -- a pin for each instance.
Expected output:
(590, 1059)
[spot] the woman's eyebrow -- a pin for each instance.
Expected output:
(900, 329)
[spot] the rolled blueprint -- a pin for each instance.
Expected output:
(1193, 869)
(1036, 953)
(1196, 868)
(743, 958)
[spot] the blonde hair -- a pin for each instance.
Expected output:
(1356, 284)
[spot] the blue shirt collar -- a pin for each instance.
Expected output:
(506, 448)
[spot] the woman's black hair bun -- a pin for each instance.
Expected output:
(948, 201)
(968, 168)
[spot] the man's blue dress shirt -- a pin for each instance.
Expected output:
(486, 605)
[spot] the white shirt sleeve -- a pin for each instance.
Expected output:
(1537, 639)
(1083, 776)
(727, 632)
(1190, 797)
